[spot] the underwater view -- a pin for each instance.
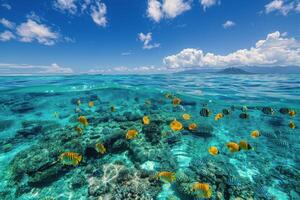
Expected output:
(143, 137)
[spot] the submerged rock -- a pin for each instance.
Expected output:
(152, 132)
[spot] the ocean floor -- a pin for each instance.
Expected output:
(165, 137)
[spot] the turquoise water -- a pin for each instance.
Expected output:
(38, 116)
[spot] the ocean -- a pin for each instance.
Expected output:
(166, 137)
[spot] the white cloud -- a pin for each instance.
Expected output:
(228, 24)
(34, 69)
(94, 8)
(98, 14)
(275, 50)
(167, 8)
(66, 5)
(208, 3)
(127, 53)
(146, 39)
(6, 5)
(280, 6)
(298, 7)
(129, 70)
(6, 36)
(31, 30)
(154, 10)
(6, 23)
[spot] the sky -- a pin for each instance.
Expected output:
(146, 36)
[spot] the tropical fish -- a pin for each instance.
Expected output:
(284, 111)
(226, 111)
(146, 120)
(292, 113)
(168, 95)
(148, 102)
(100, 148)
(165, 176)
(292, 125)
(202, 190)
(70, 158)
(78, 129)
(186, 116)
(218, 116)
(213, 150)
(56, 114)
(255, 134)
(132, 133)
(244, 108)
(192, 126)
(91, 104)
(244, 116)
(245, 145)
(176, 125)
(205, 112)
(78, 102)
(176, 101)
(83, 120)
(112, 109)
(233, 147)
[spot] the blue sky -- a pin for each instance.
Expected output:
(113, 36)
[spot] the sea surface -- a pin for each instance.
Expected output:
(39, 125)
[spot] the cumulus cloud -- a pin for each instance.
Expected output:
(208, 3)
(31, 30)
(6, 36)
(158, 9)
(99, 14)
(34, 69)
(228, 24)
(66, 5)
(146, 39)
(281, 6)
(275, 50)
(6, 23)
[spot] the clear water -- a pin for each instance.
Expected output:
(38, 116)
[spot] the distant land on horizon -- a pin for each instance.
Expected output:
(247, 70)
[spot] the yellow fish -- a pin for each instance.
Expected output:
(202, 190)
(100, 148)
(192, 126)
(255, 134)
(186, 116)
(165, 176)
(233, 147)
(176, 125)
(218, 116)
(176, 101)
(292, 125)
(70, 158)
(78, 129)
(146, 120)
(244, 145)
(292, 113)
(131, 134)
(213, 150)
(83, 120)
(91, 104)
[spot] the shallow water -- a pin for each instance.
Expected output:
(38, 116)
